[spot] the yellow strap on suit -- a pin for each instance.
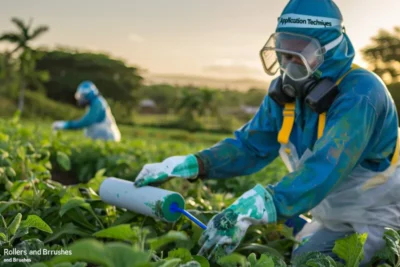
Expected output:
(289, 116)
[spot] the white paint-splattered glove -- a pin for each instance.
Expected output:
(226, 229)
(185, 167)
(58, 125)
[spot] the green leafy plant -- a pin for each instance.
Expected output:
(39, 212)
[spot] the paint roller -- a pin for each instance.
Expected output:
(150, 201)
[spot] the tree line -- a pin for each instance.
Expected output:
(54, 74)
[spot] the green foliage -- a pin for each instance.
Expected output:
(39, 213)
(68, 68)
(391, 251)
(383, 54)
(350, 249)
(26, 63)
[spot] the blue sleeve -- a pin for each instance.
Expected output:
(252, 148)
(95, 114)
(350, 123)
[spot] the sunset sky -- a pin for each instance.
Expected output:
(216, 38)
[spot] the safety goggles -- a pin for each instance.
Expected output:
(299, 56)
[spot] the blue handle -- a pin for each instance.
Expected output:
(175, 208)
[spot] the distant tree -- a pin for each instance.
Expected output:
(22, 39)
(195, 103)
(67, 67)
(383, 55)
(7, 70)
(198, 103)
(164, 95)
(254, 97)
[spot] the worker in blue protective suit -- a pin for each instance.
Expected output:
(98, 122)
(334, 125)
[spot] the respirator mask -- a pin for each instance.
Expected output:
(298, 57)
(81, 100)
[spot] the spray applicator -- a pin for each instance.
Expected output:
(150, 201)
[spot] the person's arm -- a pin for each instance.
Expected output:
(95, 113)
(349, 127)
(255, 145)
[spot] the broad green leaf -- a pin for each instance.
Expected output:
(69, 229)
(4, 137)
(10, 172)
(278, 261)
(69, 193)
(34, 221)
(265, 261)
(202, 260)
(351, 249)
(253, 247)
(391, 251)
(22, 231)
(252, 259)
(18, 188)
(74, 203)
(79, 217)
(121, 232)
(14, 225)
(109, 255)
(21, 153)
(172, 236)
(64, 264)
(325, 262)
(33, 245)
(190, 264)
(124, 218)
(5, 204)
(29, 148)
(313, 259)
(63, 160)
(122, 255)
(76, 264)
(231, 259)
(171, 263)
(96, 181)
(180, 253)
(3, 237)
(87, 250)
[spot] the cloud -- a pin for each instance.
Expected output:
(135, 38)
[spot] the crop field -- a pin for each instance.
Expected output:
(52, 214)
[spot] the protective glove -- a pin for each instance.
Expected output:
(185, 167)
(57, 125)
(226, 229)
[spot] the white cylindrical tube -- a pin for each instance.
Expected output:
(147, 200)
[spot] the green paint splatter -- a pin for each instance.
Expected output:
(226, 220)
(156, 208)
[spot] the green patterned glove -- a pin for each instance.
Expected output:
(185, 167)
(226, 229)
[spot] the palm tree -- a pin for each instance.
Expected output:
(22, 39)
(196, 103)
(7, 73)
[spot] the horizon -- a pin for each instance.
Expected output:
(207, 39)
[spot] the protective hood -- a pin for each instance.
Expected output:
(86, 92)
(320, 19)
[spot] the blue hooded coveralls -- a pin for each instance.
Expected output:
(345, 178)
(99, 123)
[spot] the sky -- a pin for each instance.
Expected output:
(215, 38)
